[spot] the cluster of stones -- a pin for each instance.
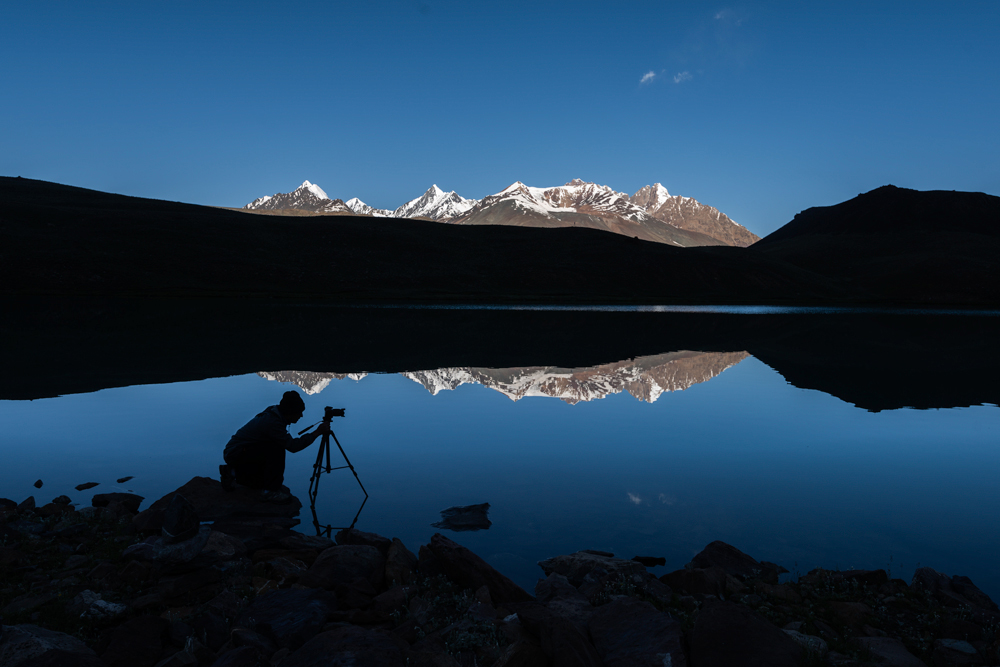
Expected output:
(203, 577)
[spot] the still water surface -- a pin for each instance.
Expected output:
(789, 475)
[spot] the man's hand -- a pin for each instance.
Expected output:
(323, 429)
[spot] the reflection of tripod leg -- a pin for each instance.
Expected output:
(318, 468)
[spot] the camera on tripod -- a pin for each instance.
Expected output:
(329, 413)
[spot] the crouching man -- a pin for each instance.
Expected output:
(255, 455)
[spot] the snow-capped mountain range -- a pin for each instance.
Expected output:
(651, 214)
(645, 378)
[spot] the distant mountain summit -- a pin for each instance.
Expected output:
(307, 197)
(651, 214)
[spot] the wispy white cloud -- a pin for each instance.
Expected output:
(667, 500)
(681, 77)
(635, 499)
(647, 77)
(723, 13)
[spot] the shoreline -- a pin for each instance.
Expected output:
(237, 585)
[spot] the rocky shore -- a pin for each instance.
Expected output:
(203, 577)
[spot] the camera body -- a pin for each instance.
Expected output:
(329, 413)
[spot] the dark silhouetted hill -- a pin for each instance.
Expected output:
(894, 245)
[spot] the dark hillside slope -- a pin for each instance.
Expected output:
(894, 245)
(57, 239)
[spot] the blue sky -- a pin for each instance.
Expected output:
(759, 109)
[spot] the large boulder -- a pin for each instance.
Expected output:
(400, 563)
(563, 643)
(954, 591)
(889, 652)
(359, 537)
(577, 566)
(726, 634)
(343, 565)
(703, 581)
(632, 633)
(350, 645)
(20, 644)
(735, 563)
(564, 600)
(137, 643)
(470, 571)
(212, 503)
(288, 617)
(130, 501)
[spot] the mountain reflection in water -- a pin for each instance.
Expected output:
(645, 378)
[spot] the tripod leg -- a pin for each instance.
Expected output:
(348, 461)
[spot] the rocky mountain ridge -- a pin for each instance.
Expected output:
(651, 214)
(645, 378)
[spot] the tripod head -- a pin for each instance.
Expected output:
(329, 413)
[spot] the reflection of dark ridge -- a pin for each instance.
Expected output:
(62, 346)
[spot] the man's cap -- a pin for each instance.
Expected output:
(291, 402)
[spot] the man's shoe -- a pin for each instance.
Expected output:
(228, 478)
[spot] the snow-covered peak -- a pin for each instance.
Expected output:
(362, 208)
(313, 188)
(435, 204)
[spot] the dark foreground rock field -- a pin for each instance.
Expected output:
(203, 577)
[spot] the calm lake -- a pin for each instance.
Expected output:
(654, 454)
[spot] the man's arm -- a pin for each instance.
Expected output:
(298, 444)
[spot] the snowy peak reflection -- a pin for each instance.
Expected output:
(645, 378)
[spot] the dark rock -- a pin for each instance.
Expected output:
(889, 651)
(465, 517)
(122, 480)
(578, 565)
(964, 587)
(22, 643)
(164, 550)
(177, 585)
(850, 614)
(26, 504)
(357, 537)
(26, 527)
(940, 586)
(180, 520)
(288, 617)
(245, 637)
(470, 571)
(62, 500)
(210, 627)
(650, 561)
(7, 504)
(400, 563)
(734, 562)
(355, 594)
(343, 564)
(52, 509)
(212, 503)
(137, 643)
(563, 643)
(703, 581)
(565, 601)
(60, 658)
(955, 652)
(307, 556)
(38, 483)
(86, 485)
(632, 633)
(243, 656)
(27, 602)
(871, 578)
(298, 541)
(726, 634)
(349, 646)
(225, 546)
(130, 500)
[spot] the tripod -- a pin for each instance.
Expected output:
(319, 467)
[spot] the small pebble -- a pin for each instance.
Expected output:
(88, 485)
(122, 480)
(38, 484)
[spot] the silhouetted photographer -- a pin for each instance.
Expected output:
(255, 455)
